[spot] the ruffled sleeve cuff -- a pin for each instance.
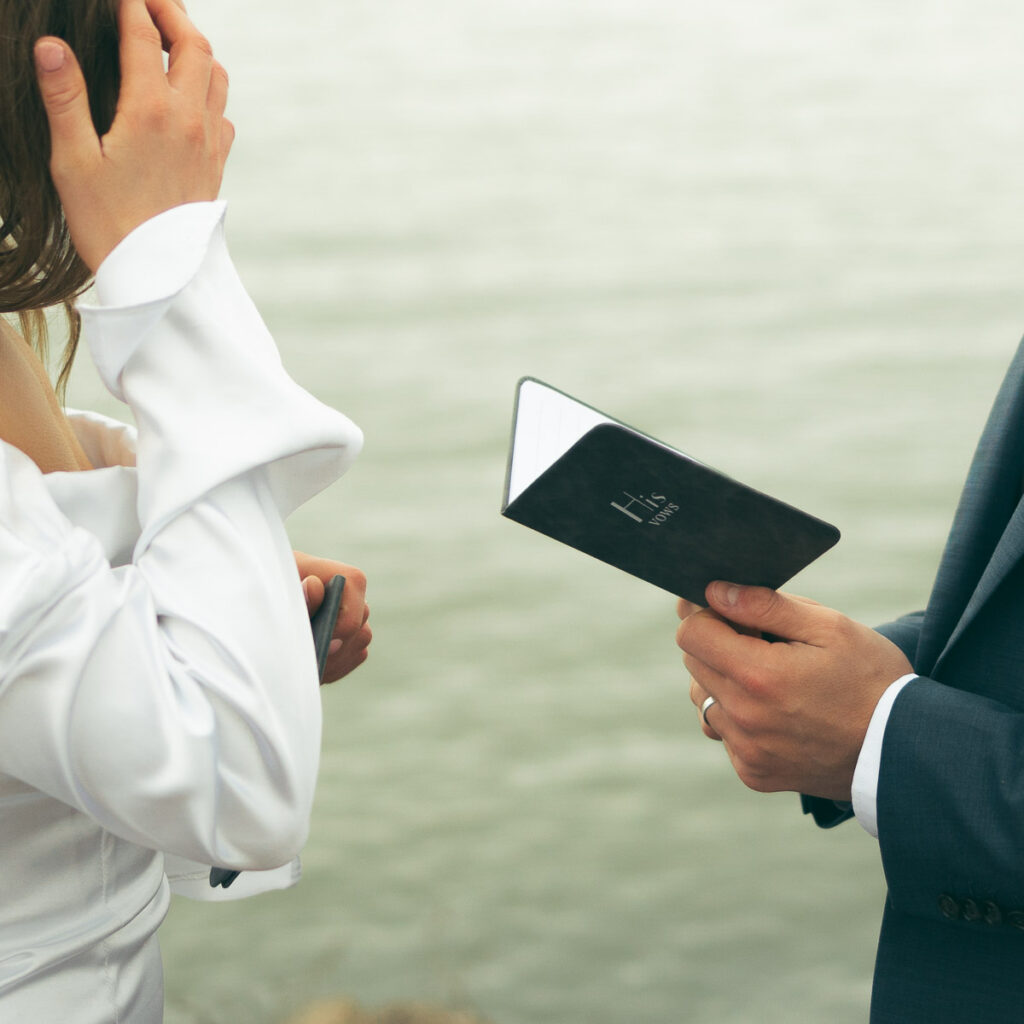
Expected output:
(132, 275)
(175, 336)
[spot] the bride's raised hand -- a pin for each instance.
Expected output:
(169, 139)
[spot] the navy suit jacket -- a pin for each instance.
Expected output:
(951, 786)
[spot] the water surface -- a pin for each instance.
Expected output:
(785, 237)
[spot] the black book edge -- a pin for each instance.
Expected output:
(322, 624)
(323, 620)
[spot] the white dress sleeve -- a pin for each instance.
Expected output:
(174, 699)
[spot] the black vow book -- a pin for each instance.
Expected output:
(619, 495)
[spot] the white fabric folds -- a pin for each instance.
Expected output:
(158, 688)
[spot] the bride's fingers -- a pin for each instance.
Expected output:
(141, 52)
(73, 137)
(190, 55)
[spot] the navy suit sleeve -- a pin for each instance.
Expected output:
(904, 633)
(951, 800)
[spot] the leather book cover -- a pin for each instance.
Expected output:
(637, 504)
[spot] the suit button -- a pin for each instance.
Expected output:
(972, 912)
(1015, 918)
(951, 909)
(993, 914)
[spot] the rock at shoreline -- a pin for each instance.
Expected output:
(345, 1011)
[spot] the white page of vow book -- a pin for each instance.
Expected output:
(548, 423)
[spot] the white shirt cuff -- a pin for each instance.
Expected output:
(865, 776)
(159, 257)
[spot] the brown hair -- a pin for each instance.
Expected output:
(39, 266)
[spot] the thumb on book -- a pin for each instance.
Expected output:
(313, 592)
(782, 615)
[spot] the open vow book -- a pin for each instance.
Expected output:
(617, 494)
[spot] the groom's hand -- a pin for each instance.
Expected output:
(791, 713)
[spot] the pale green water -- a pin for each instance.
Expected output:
(787, 237)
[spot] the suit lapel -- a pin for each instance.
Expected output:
(987, 537)
(1007, 554)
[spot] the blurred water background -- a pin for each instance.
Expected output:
(786, 237)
